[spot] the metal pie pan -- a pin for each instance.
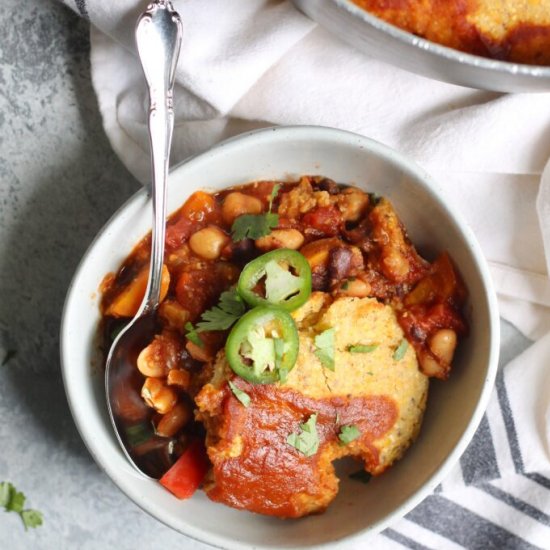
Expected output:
(383, 41)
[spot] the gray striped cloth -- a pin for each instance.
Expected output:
(493, 498)
(498, 495)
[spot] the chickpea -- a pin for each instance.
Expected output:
(158, 396)
(150, 362)
(236, 204)
(430, 367)
(208, 242)
(173, 421)
(179, 377)
(443, 344)
(352, 203)
(198, 353)
(280, 238)
(355, 288)
(396, 264)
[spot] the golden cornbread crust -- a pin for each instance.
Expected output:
(239, 438)
(509, 30)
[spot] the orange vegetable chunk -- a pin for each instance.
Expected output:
(127, 303)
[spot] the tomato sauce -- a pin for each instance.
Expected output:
(274, 471)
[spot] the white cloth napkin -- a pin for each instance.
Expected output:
(252, 63)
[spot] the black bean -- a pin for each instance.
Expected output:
(339, 263)
(319, 279)
(328, 185)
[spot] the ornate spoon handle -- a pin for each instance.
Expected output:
(158, 38)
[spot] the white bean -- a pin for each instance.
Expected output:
(443, 344)
(236, 204)
(208, 242)
(280, 238)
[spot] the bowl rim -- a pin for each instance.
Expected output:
(450, 54)
(312, 133)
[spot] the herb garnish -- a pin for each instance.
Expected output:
(306, 442)
(241, 395)
(138, 434)
(361, 475)
(348, 434)
(14, 501)
(362, 348)
(254, 226)
(192, 335)
(400, 351)
(222, 316)
(324, 343)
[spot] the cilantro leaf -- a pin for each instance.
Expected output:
(400, 351)
(16, 500)
(138, 434)
(241, 395)
(273, 195)
(254, 226)
(5, 493)
(324, 343)
(222, 316)
(362, 348)
(306, 442)
(192, 335)
(361, 475)
(31, 518)
(348, 434)
(13, 501)
(280, 284)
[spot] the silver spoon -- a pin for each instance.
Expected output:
(158, 38)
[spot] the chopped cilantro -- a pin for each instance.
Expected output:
(31, 518)
(242, 396)
(222, 316)
(361, 475)
(362, 348)
(324, 343)
(280, 284)
(400, 351)
(13, 501)
(192, 335)
(254, 226)
(9, 355)
(345, 285)
(273, 195)
(138, 434)
(16, 501)
(307, 441)
(348, 434)
(5, 493)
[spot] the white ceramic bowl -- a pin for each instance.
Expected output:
(454, 407)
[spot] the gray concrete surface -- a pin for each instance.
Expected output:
(59, 182)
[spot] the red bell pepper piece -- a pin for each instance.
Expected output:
(185, 476)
